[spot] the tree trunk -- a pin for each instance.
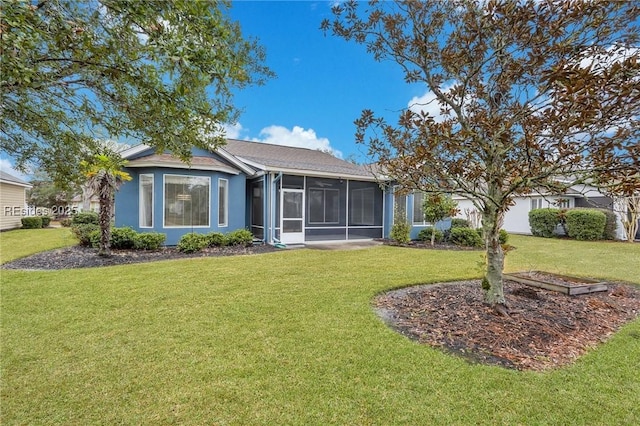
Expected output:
(106, 207)
(433, 236)
(492, 283)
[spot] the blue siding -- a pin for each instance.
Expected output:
(128, 202)
(389, 206)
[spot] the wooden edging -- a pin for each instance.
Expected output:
(589, 286)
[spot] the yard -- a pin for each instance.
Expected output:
(284, 338)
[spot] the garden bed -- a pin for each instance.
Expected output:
(562, 283)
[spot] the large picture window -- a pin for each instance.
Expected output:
(324, 206)
(146, 201)
(186, 201)
(223, 202)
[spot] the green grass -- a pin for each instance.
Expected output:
(24, 242)
(287, 338)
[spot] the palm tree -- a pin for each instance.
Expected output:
(104, 176)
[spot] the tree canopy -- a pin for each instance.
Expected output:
(532, 96)
(158, 72)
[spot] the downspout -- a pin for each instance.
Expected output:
(274, 188)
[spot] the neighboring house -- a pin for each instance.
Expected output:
(13, 200)
(77, 204)
(516, 220)
(282, 194)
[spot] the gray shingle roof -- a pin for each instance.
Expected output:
(10, 178)
(279, 158)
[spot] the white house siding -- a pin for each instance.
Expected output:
(516, 220)
(12, 203)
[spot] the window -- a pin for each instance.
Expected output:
(399, 207)
(563, 203)
(186, 201)
(418, 210)
(324, 206)
(536, 203)
(146, 201)
(223, 202)
(362, 206)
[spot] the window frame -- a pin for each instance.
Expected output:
(164, 201)
(141, 200)
(223, 183)
(324, 205)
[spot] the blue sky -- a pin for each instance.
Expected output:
(322, 82)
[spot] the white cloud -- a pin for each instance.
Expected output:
(7, 167)
(233, 131)
(428, 103)
(298, 137)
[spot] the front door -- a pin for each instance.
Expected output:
(292, 222)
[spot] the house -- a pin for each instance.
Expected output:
(282, 194)
(77, 203)
(13, 200)
(516, 220)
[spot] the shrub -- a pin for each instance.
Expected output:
(83, 232)
(503, 236)
(46, 220)
(31, 222)
(425, 234)
(217, 239)
(239, 237)
(543, 222)
(585, 224)
(457, 222)
(192, 242)
(149, 240)
(400, 232)
(611, 224)
(84, 217)
(465, 237)
(66, 222)
(123, 238)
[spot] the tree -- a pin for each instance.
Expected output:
(533, 95)
(104, 176)
(44, 193)
(437, 207)
(158, 72)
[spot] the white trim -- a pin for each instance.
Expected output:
(164, 182)
(140, 200)
(10, 182)
(226, 202)
(236, 161)
(292, 237)
(137, 149)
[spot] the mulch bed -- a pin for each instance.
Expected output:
(544, 329)
(86, 257)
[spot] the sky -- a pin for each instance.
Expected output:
(323, 82)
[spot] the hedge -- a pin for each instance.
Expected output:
(585, 224)
(543, 222)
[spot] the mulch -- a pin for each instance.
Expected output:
(545, 329)
(86, 257)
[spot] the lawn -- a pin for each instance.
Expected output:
(285, 338)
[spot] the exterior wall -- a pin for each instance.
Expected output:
(516, 220)
(127, 211)
(12, 204)
(417, 225)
